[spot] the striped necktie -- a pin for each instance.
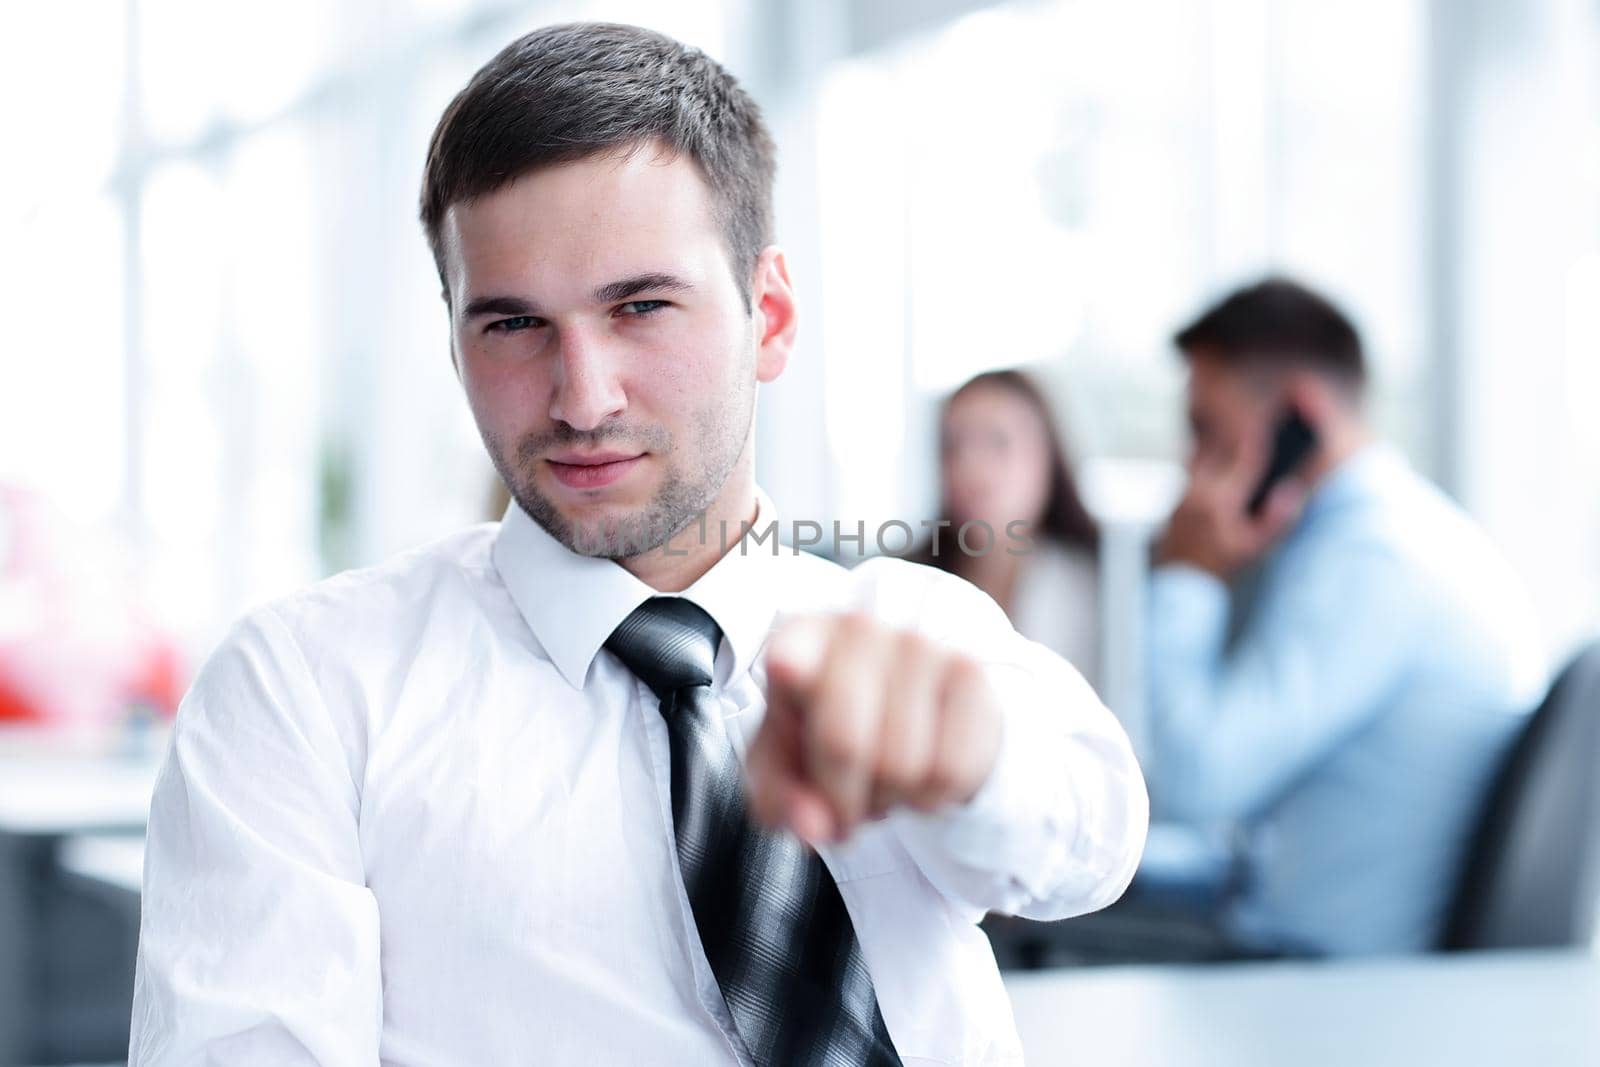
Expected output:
(771, 921)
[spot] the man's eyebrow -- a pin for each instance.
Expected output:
(655, 282)
(497, 305)
(610, 293)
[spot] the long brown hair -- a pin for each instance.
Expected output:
(1065, 519)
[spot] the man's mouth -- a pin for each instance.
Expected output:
(592, 470)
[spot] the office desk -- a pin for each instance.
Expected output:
(114, 860)
(54, 785)
(1463, 1010)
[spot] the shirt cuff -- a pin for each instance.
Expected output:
(995, 851)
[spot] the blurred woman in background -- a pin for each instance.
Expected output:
(1002, 460)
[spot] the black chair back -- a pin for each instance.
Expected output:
(1532, 876)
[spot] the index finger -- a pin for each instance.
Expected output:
(795, 652)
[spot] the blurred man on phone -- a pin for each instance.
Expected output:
(1336, 671)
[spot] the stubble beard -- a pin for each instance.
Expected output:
(693, 477)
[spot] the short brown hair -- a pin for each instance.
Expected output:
(1278, 322)
(562, 93)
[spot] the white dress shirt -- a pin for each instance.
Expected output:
(415, 815)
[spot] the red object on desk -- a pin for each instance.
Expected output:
(76, 648)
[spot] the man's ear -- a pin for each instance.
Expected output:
(1310, 394)
(773, 306)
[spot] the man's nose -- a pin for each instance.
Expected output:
(587, 390)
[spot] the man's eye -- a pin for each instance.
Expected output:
(514, 325)
(642, 307)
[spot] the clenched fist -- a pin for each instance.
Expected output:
(862, 718)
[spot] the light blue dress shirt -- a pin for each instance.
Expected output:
(1349, 731)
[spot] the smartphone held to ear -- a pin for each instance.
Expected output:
(1293, 441)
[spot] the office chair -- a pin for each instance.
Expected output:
(1532, 875)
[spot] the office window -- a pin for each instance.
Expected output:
(226, 399)
(229, 348)
(62, 274)
(1062, 184)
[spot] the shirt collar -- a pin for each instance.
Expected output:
(572, 603)
(1362, 474)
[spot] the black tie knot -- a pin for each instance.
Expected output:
(668, 642)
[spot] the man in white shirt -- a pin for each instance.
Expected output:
(537, 792)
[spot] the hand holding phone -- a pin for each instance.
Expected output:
(1293, 442)
(1231, 514)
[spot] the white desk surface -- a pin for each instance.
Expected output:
(55, 784)
(114, 859)
(1461, 1010)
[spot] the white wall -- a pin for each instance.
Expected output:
(1527, 436)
